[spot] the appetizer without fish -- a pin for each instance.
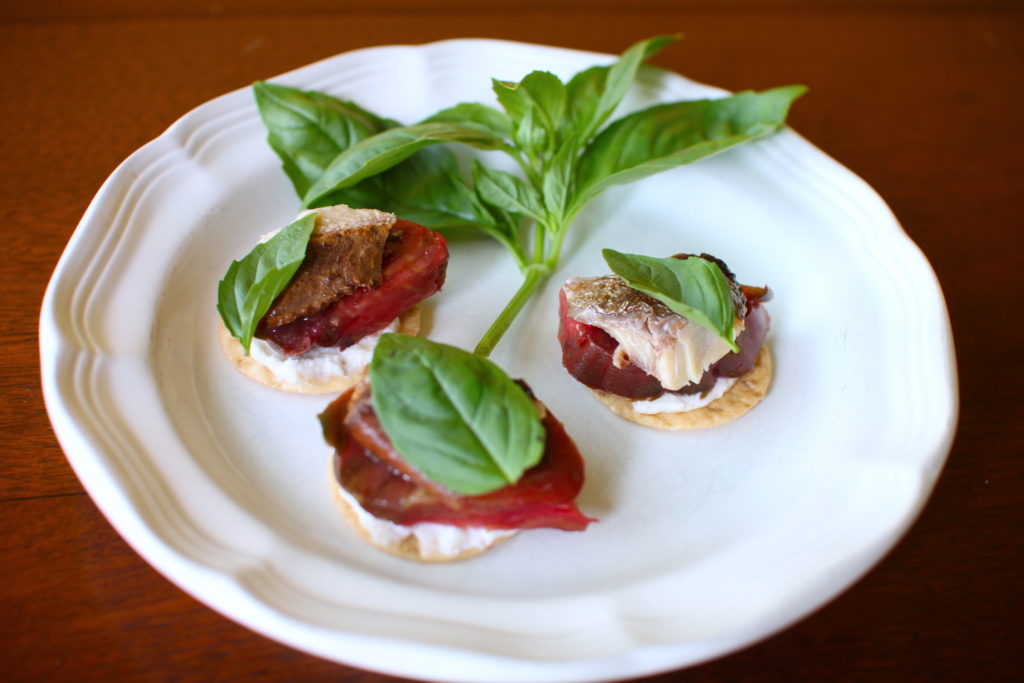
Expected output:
(303, 311)
(440, 456)
(668, 343)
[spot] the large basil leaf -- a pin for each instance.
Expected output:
(694, 288)
(382, 151)
(669, 135)
(429, 192)
(495, 121)
(596, 92)
(453, 415)
(309, 129)
(251, 285)
(426, 188)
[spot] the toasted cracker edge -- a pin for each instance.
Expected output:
(408, 548)
(408, 323)
(743, 395)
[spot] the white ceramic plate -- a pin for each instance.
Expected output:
(708, 540)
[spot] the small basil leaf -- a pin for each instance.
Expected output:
(382, 151)
(251, 285)
(530, 136)
(557, 183)
(455, 416)
(669, 135)
(536, 106)
(507, 191)
(694, 288)
(309, 129)
(504, 227)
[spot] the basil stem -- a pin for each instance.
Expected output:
(533, 276)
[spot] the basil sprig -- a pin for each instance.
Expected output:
(555, 132)
(309, 130)
(695, 288)
(251, 285)
(455, 416)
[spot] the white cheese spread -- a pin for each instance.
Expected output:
(320, 363)
(435, 540)
(678, 403)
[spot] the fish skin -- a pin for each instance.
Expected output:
(659, 341)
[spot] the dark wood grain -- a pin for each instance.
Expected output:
(920, 99)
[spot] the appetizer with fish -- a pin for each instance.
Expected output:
(440, 456)
(303, 311)
(671, 343)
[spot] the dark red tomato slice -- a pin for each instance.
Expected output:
(544, 497)
(587, 353)
(414, 263)
(750, 341)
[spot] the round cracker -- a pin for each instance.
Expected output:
(408, 547)
(408, 323)
(743, 395)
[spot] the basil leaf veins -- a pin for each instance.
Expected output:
(308, 129)
(251, 285)
(695, 288)
(455, 416)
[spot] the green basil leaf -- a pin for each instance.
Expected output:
(669, 135)
(382, 151)
(608, 85)
(251, 285)
(309, 129)
(455, 416)
(536, 106)
(507, 191)
(475, 113)
(531, 137)
(694, 288)
(557, 183)
(427, 188)
(583, 96)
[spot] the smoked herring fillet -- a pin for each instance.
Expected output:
(589, 355)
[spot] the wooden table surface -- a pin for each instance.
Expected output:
(921, 99)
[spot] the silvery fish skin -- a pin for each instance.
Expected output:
(659, 341)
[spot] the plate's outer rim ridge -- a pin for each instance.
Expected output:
(233, 585)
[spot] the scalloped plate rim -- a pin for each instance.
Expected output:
(228, 596)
